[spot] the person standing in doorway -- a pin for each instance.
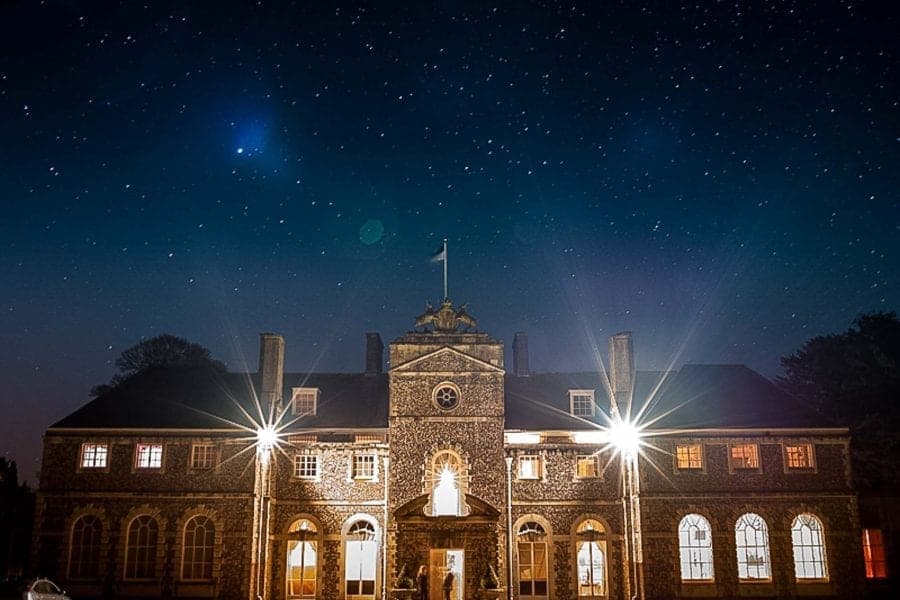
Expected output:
(448, 580)
(422, 582)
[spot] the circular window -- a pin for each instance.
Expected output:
(446, 396)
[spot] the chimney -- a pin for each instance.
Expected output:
(374, 353)
(621, 372)
(271, 369)
(520, 354)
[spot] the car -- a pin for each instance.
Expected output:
(44, 589)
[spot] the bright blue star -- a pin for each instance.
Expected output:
(240, 150)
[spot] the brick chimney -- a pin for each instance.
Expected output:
(374, 353)
(520, 354)
(621, 372)
(271, 369)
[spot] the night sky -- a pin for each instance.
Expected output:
(720, 179)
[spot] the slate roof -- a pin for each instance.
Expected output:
(702, 396)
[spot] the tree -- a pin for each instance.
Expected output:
(158, 352)
(16, 511)
(853, 380)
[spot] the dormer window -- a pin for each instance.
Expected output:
(581, 403)
(305, 401)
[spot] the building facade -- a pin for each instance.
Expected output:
(199, 484)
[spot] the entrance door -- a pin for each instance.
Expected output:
(446, 575)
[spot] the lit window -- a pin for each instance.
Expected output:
(582, 402)
(445, 476)
(306, 466)
(203, 456)
(744, 456)
(84, 551)
(197, 554)
(873, 553)
(751, 537)
(532, 549)
(799, 456)
(591, 559)
(695, 549)
(140, 549)
(304, 401)
(689, 456)
(364, 466)
(302, 560)
(530, 466)
(587, 466)
(808, 540)
(94, 456)
(148, 456)
(361, 560)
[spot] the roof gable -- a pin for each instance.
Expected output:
(446, 359)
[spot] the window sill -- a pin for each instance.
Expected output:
(763, 588)
(814, 588)
(699, 589)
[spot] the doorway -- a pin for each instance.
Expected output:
(446, 572)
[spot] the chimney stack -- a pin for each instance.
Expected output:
(621, 372)
(374, 353)
(520, 354)
(271, 370)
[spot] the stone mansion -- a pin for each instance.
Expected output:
(705, 481)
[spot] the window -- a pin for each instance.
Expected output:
(873, 554)
(148, 456)
(591, 555)
(363, 466)
(744, 456)
(587, 466)
(306, 466)
(94, 456)
(530, 466)
(799, 456)
(751, 537)
(302, 560)
(304, 401)
(581, 403)
(199, 541)
(532, 548)
(689, 456)
(445, 476)
(361, 559)
(84, 550)
(203, 456)
(140, 549)
(808, 540)
(695, 549)
(446, 396)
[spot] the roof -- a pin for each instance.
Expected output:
(696, 396)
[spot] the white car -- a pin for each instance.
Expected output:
(44, 589)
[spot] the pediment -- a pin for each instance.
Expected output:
(446, 359)
(415, 509)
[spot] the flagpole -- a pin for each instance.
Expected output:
(445, 268)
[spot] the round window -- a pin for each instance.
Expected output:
(446, 396)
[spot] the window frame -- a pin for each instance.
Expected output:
(594, 458)
(530, 457)
(759, 543)
(309, 394)
(95, 445)
(704, 549)
(93, 551)
(133, 552)
(207, 550)
(358, 458)
(821, 549)
(734, 467)
(212, 456)
(305, 456)
(810, 455)
(590, 394)
(137, 466)
(701, 457)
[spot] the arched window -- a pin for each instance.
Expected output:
(591, 559)
(447, 481)
(808, 540)
(140, 550)
(197, 554)
(751, 537)
(695, 549)
(302, 559)
(361, 560)
(84, 549)
(532, 554)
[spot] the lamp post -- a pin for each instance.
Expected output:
(266, 439)
(625, 437)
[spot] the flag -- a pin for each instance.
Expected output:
(440, 255)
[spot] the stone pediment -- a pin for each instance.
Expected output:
(446, 359)
(415, 510)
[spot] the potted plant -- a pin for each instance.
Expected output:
(404, 586)
(490, 585)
